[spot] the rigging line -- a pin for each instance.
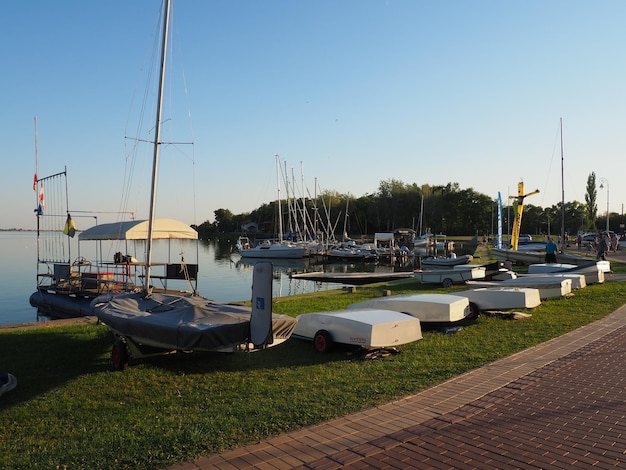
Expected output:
(131, 155)
(555, 147)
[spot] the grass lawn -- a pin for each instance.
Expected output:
(70, 410)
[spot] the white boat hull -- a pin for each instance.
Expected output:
(578, 280)
(548, 288)
(368, 328)
(428, 308)
(541, 268)
(274, 251)
(447, 277)
(502, 298)
(594, 272)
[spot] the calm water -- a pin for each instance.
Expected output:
(222, 276)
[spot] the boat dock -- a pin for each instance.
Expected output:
(353, 278)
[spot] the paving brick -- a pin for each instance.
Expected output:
(560, 404)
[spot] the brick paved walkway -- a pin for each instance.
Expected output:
(560, 404)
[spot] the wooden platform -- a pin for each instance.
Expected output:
(352, 278)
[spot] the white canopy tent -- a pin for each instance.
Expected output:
(163, 229)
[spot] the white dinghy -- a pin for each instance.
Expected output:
(548, 287)
(578, 280)
(367, 328)
(594, 272)
(448, 277)
(433, 310)
(502, 298)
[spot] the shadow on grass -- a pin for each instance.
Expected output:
(46, 358)
(289, 354)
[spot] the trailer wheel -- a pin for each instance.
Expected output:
(119, 355)
(447, 282)
(322, 341)
(474, 311)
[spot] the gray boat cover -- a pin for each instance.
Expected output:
(181, 322)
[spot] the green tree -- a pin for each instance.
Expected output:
(224, 220)
(591, 207)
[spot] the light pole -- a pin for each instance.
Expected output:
(604, 181)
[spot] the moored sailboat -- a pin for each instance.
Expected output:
(146, 319)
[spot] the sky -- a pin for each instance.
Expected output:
(348, 93)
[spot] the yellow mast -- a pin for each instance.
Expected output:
(517, 224)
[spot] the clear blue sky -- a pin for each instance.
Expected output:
(359, 91)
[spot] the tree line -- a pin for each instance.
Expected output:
(446, 209)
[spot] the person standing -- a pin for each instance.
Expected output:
(604, 245)
(551, 248)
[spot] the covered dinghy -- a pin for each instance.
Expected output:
(143, 321)
(183, 323)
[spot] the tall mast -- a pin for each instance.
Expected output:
(563, 244)
(280, 214)
(157, 137)
(35, 184)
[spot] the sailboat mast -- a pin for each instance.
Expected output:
(563, 243)
(157, 137)
(35, 185)
(280, 214)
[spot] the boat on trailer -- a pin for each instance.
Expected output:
(363, 327)
(435, 262)
(432, 310)
(502, 298)
(450, 276)
(148, 322)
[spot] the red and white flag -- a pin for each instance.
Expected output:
(42, 205)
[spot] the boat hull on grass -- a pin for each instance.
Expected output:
(578, 280)
(502, 298)
(533, 257)
(594, 272)
(367, 328)
(548, 288)
(432, 310)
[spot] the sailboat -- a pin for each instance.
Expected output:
(267, 249)
(148, 322)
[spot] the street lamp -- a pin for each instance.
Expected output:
(604, 181)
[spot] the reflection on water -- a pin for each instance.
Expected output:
(222, 274)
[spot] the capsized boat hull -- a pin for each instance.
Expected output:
(578, 280)
(183, 323)
(594, 272)
(428, 308)
(547, 288)
(368, 328)
(502, 298)
(533, 257)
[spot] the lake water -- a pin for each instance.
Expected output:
(222, 275)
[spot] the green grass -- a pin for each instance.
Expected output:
(71, 411)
